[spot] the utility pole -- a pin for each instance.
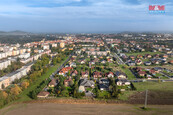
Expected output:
(146, 94)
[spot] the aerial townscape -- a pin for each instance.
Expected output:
(117, 68)
(86, 57)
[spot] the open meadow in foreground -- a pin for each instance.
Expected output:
(84, 109)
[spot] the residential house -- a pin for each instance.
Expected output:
(152, 71)
(65, 70)
(142, 73)
(155, 62)
(86, 83)
(156, 56)
(147, 63)
(109, 75)
(43, 94)
(104, 81)
(72, 64)
(82, 61)
(171, 62)
(148, 55)
(74, 73)
(81, 89)
(139, 56)
(92, 62)
(122, 82)
(97, 74)
(52, 83)
(131, 63)
(96, 60)
(138, 61)
(85, 74)
(120, 75)
(103, 61)
(109, 60)
(67, 82)
(132, 57)
(158, 69)
(164, 56)
(149, 76)
(138, 69)
(104, 84)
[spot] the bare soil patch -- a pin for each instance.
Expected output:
(154, 97)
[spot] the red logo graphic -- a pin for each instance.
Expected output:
(156, 7)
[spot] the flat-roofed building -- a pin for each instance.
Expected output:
(5, 63)
(8, 79)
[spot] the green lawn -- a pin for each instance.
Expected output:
(127, 72)
(142, 86)
(143, 53)
(163, 86)
(158, 75)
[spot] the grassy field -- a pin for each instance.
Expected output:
(143, 53)
(85, 109)
(163, 86)
(127, 72)
(161, 90)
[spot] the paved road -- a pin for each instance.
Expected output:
(151, 80)
(60, 67)
(165, 75)
(118, 59)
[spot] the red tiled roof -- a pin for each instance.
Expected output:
(65, 70)
(142, 72)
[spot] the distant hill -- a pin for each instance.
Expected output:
(3, 32)
(16, 32)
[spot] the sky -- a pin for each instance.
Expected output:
(84, 16)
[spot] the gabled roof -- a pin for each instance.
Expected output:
(97, 73)
(85, 73)
(142, 72)
(109, 73)
(86, 82)
(43, 93)
(104, 85)
(118, 73)
(74, 72)
(53, 82)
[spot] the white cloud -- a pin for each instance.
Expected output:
(114, 11)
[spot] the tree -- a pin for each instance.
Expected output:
(65, 93)
(97, 91)
(3, 86)
(68, 74)
(4, 94)
(24, 84)
(132, 86)
(33, 95)
(58, 59)
(54, 61)
(71, 83)
(15, 90)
